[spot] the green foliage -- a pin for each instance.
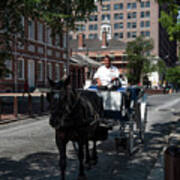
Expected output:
(173, 74)
(139, 63)
(169, 20)
(161, 67)
(60, 15)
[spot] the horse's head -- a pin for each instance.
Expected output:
(60, 102)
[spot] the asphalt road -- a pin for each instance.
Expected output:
(28, 151)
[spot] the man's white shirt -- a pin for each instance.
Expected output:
(106, 74)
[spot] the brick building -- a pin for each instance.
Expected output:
(125, 20)
(98, 48)
(40, 55)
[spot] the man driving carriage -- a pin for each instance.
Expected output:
(107, 75)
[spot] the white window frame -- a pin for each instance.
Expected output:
(22, 69)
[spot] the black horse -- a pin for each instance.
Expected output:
(75, 117)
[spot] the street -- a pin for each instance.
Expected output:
(28, 150)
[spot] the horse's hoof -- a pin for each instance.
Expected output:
(82, 177)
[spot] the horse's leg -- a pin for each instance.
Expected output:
(81, 158)
(87, 160)
(61, 144)
(94, 153)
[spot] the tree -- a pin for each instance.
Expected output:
(172, 76)
(60, 15)
(169, 19)
(139, 63)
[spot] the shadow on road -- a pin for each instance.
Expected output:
(111, 165)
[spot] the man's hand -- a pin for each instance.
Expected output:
(98, 82)
(114, 78)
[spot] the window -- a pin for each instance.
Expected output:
(118, 6)
(57, 72)
(93, 18)
(131, 25)
(20, 68)
(20, 45)
(118, 16)
(142, 4)
(31, 30)
(57, 40)
(49, 70)
(8, 64)
(106, 7)
(131, 34)
(134, 5)
(147, 23)
(49, 52)
(105, 17)
(131, 15)
(128, 34)
(121, 35)
(145, 33)
(128, 25)
(142, 14)
(40, 32)
(21, 34)
(131, 5)
(81, 27)
(148, 4)
(40, 71)
(93, 27)
(118, 35)
(93, 36)
(118, 26)
(40, 50)
(142, 24)
(31, 47)
(49, 36)
(145, 4)
(145, 14)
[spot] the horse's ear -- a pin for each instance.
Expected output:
(67, 81)
(52, 84)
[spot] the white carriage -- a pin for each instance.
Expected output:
(128, 107)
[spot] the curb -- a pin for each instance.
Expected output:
(21, 118)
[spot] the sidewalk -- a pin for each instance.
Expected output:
(157, 172)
